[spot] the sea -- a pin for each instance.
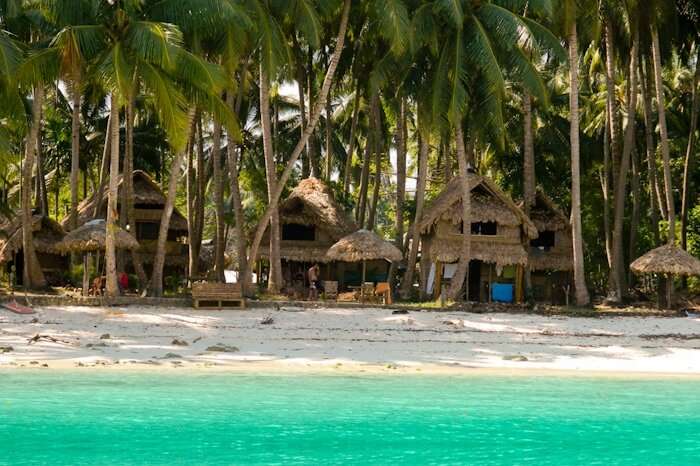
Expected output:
(189, 417)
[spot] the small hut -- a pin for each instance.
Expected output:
(499, 228)
(149, 202)
(46, 234)
(311, 221)
(363, 246)
(550, 254)
(92, 237)
(670, 261)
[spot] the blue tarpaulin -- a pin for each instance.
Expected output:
(502, 292)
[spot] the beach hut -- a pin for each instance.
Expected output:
(550, 254)
(498, 228)
(46, 234)
(311, 221)
(92, 237)
(667, 260)
(149, 202)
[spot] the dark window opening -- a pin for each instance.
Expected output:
(544, 241)
(297, 232)
(147, 231)
(485, 228)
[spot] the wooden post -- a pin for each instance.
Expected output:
(490, 282)
(362, 284)
(86, 274)
(437, 286)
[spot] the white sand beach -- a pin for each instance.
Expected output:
(346, 340)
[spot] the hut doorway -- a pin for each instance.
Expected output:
(475, 280)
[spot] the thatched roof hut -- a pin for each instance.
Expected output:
(311, 221)
(363, 245)
(553, 249)
(149, 201)
(46, 234)
(442, 222)
(93, 237)
(667, 259)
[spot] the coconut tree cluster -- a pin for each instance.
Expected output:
(228, 104)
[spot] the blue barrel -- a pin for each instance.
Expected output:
(502, 292)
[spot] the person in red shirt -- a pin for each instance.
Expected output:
(123, 282)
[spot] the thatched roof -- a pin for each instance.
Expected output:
(551, 260)
(500, 254)
(363, 245)
(46, 233)
(93, 236)
(146, 193)
(312, 203)
(488, 204)
(667, 259)
(546, 214)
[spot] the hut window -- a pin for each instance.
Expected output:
(147, 231)
(483, 228)
(298, 232)
(544, 241)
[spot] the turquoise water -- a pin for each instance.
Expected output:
(81, 418)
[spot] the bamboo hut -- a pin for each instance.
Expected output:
(550, 255)
(46, 234)
(499, 228)
(92, 237)
(363, 246)
(311, 221)
(149, 202)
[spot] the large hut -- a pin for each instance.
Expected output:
(149, 202)
(550, 255)
(499, 228)
(311, 221)
(46, 233)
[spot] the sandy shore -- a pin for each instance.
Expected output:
(365, 340)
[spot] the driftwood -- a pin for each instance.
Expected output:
(40, 337)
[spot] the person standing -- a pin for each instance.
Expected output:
(313, 275)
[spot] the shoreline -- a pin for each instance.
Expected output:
(350, 341)
(346, 370)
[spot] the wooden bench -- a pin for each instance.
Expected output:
(217, 295)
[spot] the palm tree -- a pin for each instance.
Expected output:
(311, 125)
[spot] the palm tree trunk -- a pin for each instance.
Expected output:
(112, 288)
(159, 260)
(612, 107)
(378, 147)
(190, 193)
(582, 297)
(315, 115)
(460, 281)
(353, 136)
(364, 182)
(273, 284)
(651, 156)
(329, 134)
(41, 191)
(635, 189)
(239, 230)
(75, 155)
(104, 167)
(301, 80)
(198, 217)
(424, 151)
(529, 183)
(400, 179)
(617, 279)
(128, 188)
(663, 129)
(33, 276)
(218, 202)
(690, 155)
(605, 186)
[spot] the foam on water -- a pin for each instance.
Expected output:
(77, 418)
